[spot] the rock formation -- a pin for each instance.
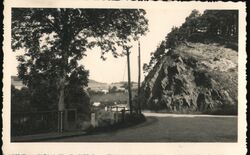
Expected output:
(201, 79)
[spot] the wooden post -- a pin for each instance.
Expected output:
(61, 121)
(139, 77)
(65, 120)
(93, 120)
(123, 114)
(129, 83)
(58, 121)
(75, 115)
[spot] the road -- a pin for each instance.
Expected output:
(170, 128)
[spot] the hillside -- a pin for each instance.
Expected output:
(193, 77)
(97, 86)
(134, 85)
(111, 97)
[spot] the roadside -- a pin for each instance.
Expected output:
(47, 136)
(128, 122)
(168, 129)
(148, 113)
(158, 127)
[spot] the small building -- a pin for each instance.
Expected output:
(17, 83)
(104, 91)
(96, 104)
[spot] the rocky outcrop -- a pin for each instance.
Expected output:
(198, 79)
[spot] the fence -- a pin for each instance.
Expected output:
(109, 116)
(26, 123)
(116, 108)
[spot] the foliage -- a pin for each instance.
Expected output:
(213, 26)
(134, 118)
(20, 99)
(118, 96)
(125, 85)
(113, 89)
(145, 68)
(94, 92)
(77, 97)
(55, 40)
(225, 109)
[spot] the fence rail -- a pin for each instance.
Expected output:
(26, 123)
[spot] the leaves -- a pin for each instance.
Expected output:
(56, 39)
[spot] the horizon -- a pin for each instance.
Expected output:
(15, 76)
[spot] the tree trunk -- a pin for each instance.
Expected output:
(66, 38)
(61, 106)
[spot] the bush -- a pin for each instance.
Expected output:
(134, 118)
(197, 37)
(226, 109)
(232, 45)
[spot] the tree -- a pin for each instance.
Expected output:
(220, 26)
(173, 38)
(125, 85)
(20, 100)
(145, 68)
(113, 89)
(222, 23)
(77, 97)
(56, 39)
(191, 23)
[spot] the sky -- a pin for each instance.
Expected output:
(115, 69)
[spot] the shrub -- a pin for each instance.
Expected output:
(134, 118)
(225, 109)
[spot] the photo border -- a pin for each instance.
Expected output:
(125, 148)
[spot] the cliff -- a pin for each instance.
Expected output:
(193, 78)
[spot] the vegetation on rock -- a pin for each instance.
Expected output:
(194, 70)
(213, 26)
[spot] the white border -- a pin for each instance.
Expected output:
(126, 148)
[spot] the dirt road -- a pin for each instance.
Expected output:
(170, 128)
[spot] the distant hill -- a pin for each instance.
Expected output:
(121, 83)
(95, 85)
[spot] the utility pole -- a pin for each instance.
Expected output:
(139, 77)
(129, 83)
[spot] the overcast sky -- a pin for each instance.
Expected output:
(114, 69)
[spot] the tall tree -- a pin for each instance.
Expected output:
(56, 39)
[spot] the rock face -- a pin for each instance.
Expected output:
(197, 78)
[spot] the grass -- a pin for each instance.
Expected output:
(170, 129)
